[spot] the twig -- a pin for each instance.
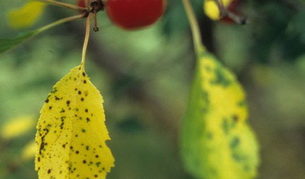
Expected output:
(61, 21)
(62, 4)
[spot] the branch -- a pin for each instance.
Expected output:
(112, 64)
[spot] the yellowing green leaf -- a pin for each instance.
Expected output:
(211, 9)
(25, 16)
(17, 127)
(216, 141)
(71, 131)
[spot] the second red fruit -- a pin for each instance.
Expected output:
(81, 3)
(134, 14)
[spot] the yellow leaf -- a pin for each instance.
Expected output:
(71, 132)
(212, 10)
(217, 142)
(25, 16)
(17, 127)
(29, 151)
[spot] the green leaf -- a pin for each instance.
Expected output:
(216, 140)
(22, 17)
(7, 44)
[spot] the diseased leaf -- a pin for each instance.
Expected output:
(25, 16)
(217, 142)
(71, 131)
(7, 44)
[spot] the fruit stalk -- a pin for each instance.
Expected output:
(86, 41)
(194, 26)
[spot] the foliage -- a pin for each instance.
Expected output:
(217, 142)
(31, 10)
(17, 127)
(7, 44)
(145, 77)
(71, 131)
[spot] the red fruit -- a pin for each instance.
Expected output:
(81, 3)
(135, 14)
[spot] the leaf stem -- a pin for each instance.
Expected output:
(199, 47)
(62, 4)
(61, 21)
(86, 41)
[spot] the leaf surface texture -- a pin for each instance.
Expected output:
(71, 131)
(217, 142)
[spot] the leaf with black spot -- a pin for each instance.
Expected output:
(71, 131)
(216, 140)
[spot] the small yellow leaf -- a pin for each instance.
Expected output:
(17, 127)
(71, 132)
(29, 151)
(25, 16)
(211, 9)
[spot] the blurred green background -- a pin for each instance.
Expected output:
(145, 77)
